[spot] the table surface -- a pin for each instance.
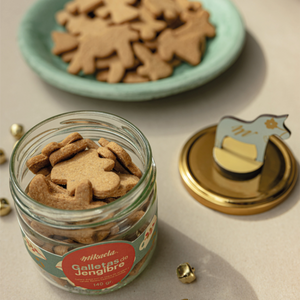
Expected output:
(235, 257)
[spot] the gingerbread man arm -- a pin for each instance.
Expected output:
(40, 191)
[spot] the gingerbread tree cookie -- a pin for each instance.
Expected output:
(87, 165)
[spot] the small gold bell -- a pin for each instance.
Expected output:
(4, 207)
(185, 273)
(17, 130)
(2, 157)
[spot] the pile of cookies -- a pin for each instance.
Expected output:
(78, 174)
(131, 41)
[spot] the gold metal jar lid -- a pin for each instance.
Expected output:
(209, 185)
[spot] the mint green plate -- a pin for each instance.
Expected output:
(36, 44)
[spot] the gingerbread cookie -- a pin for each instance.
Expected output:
(186, 47)
(39, 190)
(91, 144)
(87, 165)
(124, 158)
(115, 67)
(168, 8)
(102, 75)
(38, 162)
(101, 33)
(103, 142)
(82, 6)
(197, 23)
(55, 188)
(134, 77)
(115, 38)
(51, 147)
(148, 26)
(189, 5)
(67, 151)
(153, 66)
(106, 153)
(83, 236)
(136, 216)
(81, 24)
(45, 171)
(68, 56)
(61, 249)
(127, 183)
(63, 42)
(73, 137)
(119, 11)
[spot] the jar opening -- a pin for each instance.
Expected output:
(92, 125)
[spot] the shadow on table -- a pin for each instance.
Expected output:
(216, 279)
(229, 93)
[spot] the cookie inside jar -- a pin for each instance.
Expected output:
(79, 174)
(87, 191)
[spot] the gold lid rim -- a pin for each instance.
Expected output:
(236, 206)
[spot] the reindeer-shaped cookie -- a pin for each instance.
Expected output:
(255, 132)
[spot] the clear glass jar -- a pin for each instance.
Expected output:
(92, 251)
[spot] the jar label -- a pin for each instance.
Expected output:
(98, 266)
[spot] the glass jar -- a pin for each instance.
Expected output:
(93, 251)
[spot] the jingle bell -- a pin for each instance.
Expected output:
(4, 207)
(185, 273)
(17, 131)
(2, 157)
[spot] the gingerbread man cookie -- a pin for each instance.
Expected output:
(148, 26)
(115, 38)
(154, 67)
(87, 165)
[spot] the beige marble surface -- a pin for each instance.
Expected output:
(236, 257)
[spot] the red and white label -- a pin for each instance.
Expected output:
(99, 267)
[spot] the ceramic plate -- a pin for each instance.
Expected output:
(36, 44)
